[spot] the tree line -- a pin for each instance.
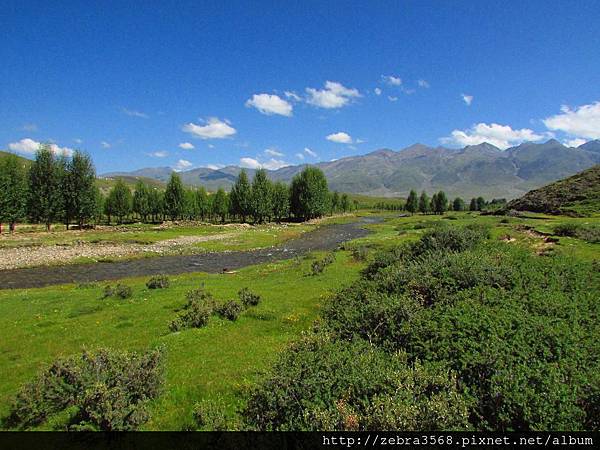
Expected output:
(63, 189)
(439, 203)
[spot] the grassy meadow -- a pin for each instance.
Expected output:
(224, 360)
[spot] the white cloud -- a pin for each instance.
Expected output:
(392, 99)
(377, 91)
(210, 146)
(468, 99)
(359, 141)
(28, 146)
(340, 137)
(423, 83)
(271, 164)
(270, 104)
(186, 146)
(134, 113)
(78, 141)
(31, 127)
(391, 79)
(299, 156)
(292, 96)
(273, 152)
(502, 136)
(182, 164)
(214, 129)
(105, 144)
(214, 166)
(308, 151)
(581, 122)
(574, 142)
(335, 95)
(159, 154)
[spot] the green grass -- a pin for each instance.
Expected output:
(224, 359)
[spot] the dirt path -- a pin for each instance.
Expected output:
(327, 237)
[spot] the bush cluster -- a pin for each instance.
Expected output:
(317, 267)
(451, 332)
(201, 305)
(588, 233)
(158, 282)
(120, 290)
(102, 390)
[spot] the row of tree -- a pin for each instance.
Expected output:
(63, 189)
(54, 188)
(258, 200)
(439, 203)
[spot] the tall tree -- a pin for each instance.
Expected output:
(174, 197)
(281, 201)
(309, 194)
(119, 201)
(240, 197)
(202, 203)
(220, 204)
(480, 203)
(458, 204)
(262, 196)
(155, 203)
(412, 203)
(440, 204)
(473, 205)
(141, 200)
(79, 188)
(424, 203)
(13, 191)
(44, 201)
(345, 203)
(335, 202)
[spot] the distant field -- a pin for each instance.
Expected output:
(225, 359)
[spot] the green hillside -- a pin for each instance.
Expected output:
(578, 195)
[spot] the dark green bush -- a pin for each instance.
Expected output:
(210, 415)
(317, 267)
(229, 310)
(195, 314)
(158, 282)
(587, 233)
(319, 384)
(120, 290)
(103, 389)
(248, 298)
(360, 253)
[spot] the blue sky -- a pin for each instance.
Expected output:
(275, 83)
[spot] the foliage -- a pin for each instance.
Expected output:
(240, 197)
(360, 253)
(424, 203)
(13, 190)
(120, 290)
(107, 389)
(229, 310)
(44, 200)
(458, 204)
(141, 200)
(317, 267)
(262, 196)
(281, 201)
(412, 203)
(210, 415)
(248, 298)
(309, 194)
(79, 189)
(119, 201)
(174, 201)
(323, 384)
(158, 282)
(589, 233)
(220, 204)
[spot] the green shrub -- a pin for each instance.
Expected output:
(120, 290)
(319, 384)
(317, 267)
(587, 233)
(229, 310)
(158, 282)
(248, 298)
(210, 415)
(360, 253)
(103, 389)
(195, 314)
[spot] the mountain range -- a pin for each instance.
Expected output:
(471, 171)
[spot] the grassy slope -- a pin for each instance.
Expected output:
(223, 359)
(577, 195)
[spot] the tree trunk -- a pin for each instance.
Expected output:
(48, 226)
(11, 227)
(0, 227)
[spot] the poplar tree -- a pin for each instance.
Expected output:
(13, 191)
(202, 203)
(281, 201)
(473, 205)
(440, 204)
(119, 201)
(141, 200)
(411, 202)
(80, 188)
(424, 203)
(174, 197)
(262, 196)
(240, 198)
(345, 203)
(309, 194)
(458, 204)
(44, 196)
(220, 205)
